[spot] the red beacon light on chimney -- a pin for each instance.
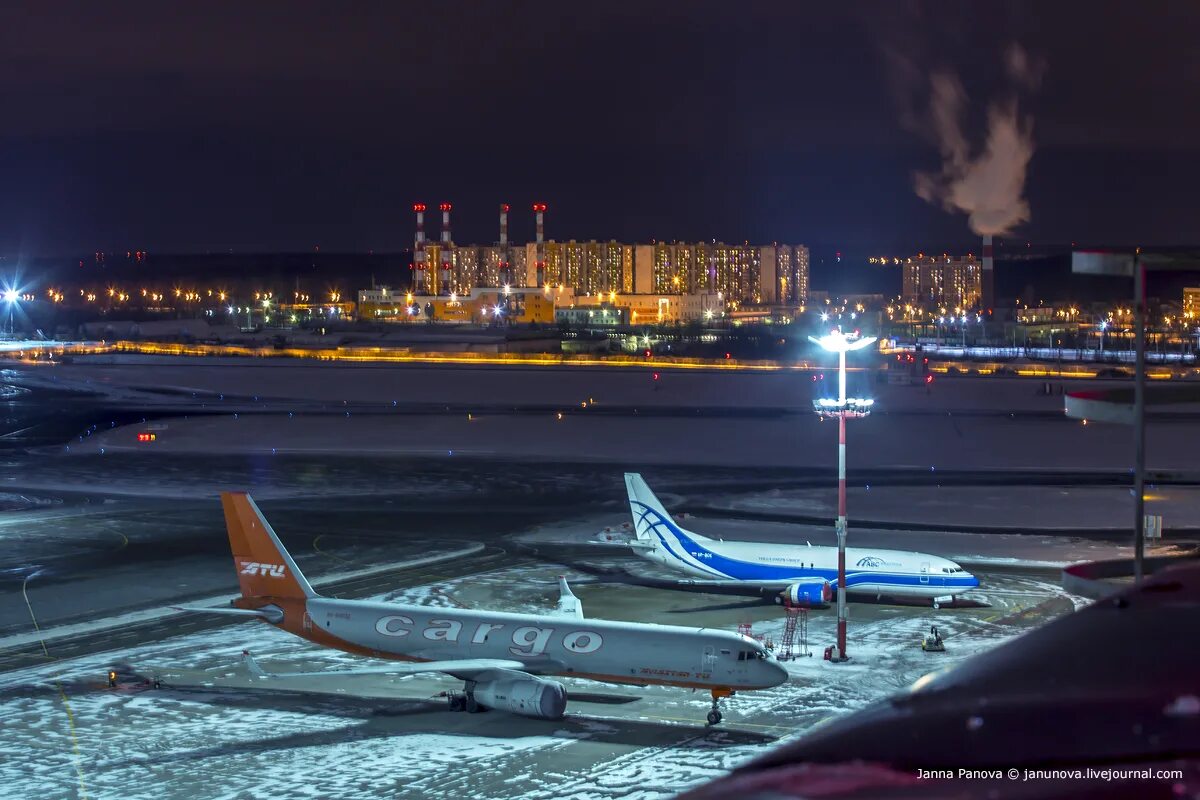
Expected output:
(504, 207)
(539, 207)
(446, 207)
(419, 207)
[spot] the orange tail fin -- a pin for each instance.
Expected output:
(264, 567)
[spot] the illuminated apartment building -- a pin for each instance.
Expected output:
(942, 281)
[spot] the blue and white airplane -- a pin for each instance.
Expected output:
(801, 575)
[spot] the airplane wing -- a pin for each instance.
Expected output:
(465, 668)
(269, 613)
(773, 589)
(754, 585)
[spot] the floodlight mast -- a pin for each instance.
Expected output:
(11, 296)
(838, 342)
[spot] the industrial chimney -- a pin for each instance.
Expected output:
(418, 265)
(988, 282)
(540, 210)
(444, 281)
(503, 254)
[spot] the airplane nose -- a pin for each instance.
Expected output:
(776, 673)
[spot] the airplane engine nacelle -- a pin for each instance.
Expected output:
(809, 593)
(529, 697)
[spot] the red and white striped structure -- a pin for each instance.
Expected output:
(444, 279)
(837, 342)
(539, 209)
(420, 277)
(504, 268)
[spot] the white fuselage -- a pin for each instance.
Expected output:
(619, 652)
(897, 573)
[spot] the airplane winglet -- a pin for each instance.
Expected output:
(252, 665)
(568, 603)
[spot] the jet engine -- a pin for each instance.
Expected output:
(811, 592)
(527, 696)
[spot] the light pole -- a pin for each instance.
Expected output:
(10, 300)
(1132, 265)
(838, 342)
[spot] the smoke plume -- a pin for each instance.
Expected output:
(987, 184)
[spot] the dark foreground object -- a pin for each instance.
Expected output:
(1096, 704)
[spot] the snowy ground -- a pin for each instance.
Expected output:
(213, 732)
(886, 440)
(66, 733)
(1039, 507)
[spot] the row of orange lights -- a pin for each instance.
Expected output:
(55, 295)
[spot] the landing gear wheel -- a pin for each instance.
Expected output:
(472, 706)
(714, 716)
(936, 604)
(457, 702)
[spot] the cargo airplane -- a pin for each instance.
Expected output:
(506, 661)
(798, 574)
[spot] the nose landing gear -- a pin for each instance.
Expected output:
(714, 716)
(946, 598)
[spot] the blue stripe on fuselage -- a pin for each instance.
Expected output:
(677, 538)
(672, 537)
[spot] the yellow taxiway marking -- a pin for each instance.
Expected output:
(317, 548)
(74, 739)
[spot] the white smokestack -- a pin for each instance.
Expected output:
(540, 251)
(444, 277)
(419, 248)
(446, 207)
(987, 279)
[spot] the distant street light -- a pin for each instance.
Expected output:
(838, 342)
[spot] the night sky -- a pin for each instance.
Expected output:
(261, 126)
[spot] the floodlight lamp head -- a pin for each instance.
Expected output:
(837, 342)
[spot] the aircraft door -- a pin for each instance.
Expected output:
(924, 572)
(307, 621)
(708, 660)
